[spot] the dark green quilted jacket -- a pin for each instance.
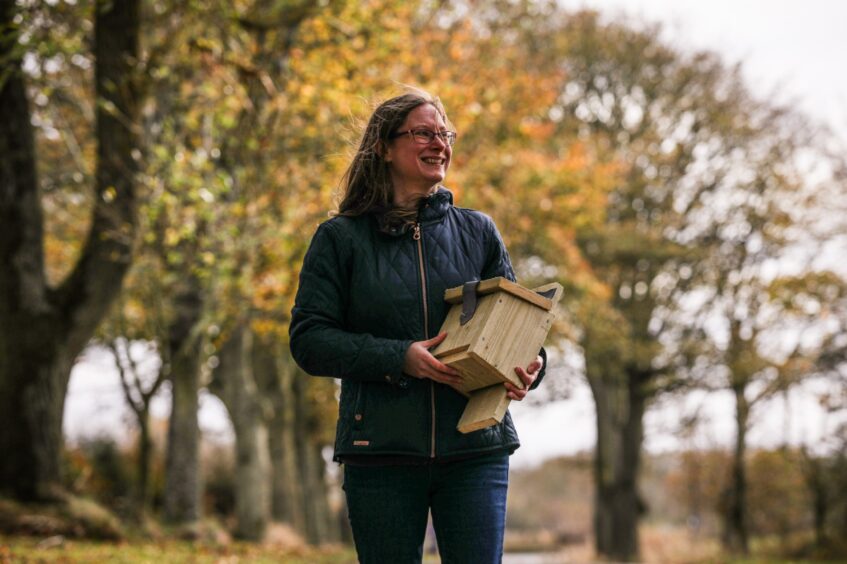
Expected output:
(364, 297)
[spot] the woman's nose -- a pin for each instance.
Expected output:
(442, 142)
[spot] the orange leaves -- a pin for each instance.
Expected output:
(537, 130)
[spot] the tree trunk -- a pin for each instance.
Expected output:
(43, 329)
(182, 466)
(735, 528)
(145, 449)
(275, 372)
(31, 411)
(239, 392)
(841, 485)
(815, 471)
(320, 527)
(620, 410)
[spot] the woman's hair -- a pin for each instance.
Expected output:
(367, 184)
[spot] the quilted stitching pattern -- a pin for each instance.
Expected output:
(359, 307)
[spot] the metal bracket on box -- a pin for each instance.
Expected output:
(468, 301)
(548, 294)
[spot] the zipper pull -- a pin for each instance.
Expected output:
(417, 233)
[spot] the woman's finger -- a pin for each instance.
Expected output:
(514, 393)
(439, 366)
(452, 378)
(429, 343)
(534, 366)
(526, 378)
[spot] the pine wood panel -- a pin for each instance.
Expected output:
(485, 408)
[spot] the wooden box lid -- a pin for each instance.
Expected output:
(500, 284)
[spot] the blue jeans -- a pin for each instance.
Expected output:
(388, 507)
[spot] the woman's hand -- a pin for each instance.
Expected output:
(420, 363)
(527, 376)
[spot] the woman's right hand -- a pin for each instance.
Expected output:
(420, 363)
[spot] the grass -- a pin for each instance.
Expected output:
(658, 544)
(674, 544)
(59, 549)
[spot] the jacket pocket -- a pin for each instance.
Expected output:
(359, 407)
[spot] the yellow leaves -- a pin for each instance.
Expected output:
(172, 236)
(109, 194)
(135, 312)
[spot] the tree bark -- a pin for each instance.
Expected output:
(620, 410)
(182, 465)
(320, 527)
(237, 388)
(735, 528)
(43, 329)
(145, 449)
(298, 436)
(814, 471)
(182, 460)
(275, 372)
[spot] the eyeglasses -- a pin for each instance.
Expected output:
(425, 136)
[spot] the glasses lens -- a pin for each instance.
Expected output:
(425, 136)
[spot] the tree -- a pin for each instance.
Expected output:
(43, 327)
(219, 147)
(763, 326)
(235, 383)
(697, 154)
(138, 394)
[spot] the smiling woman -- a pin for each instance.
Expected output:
(370, 299)
(419, 155)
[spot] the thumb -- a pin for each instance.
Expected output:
(435, 340)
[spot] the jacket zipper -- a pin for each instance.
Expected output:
(417, 237)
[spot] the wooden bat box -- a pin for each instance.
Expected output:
(492, 327)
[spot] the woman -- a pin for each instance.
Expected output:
(369, 302)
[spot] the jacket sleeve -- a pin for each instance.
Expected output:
(320, 344)
(499, 264)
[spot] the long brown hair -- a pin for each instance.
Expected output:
(367, 184)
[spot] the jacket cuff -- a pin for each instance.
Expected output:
(394, 375)
(543, 370)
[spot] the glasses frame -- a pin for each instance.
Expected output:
(423, 136)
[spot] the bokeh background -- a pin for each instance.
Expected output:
(678, 166)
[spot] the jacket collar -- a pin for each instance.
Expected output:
(432, 209)
(435, 206)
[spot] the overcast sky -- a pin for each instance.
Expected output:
(794, 49)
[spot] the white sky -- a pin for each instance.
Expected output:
(793, 51)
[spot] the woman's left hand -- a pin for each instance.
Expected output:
(527, 376)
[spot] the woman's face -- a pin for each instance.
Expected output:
(417, 168)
